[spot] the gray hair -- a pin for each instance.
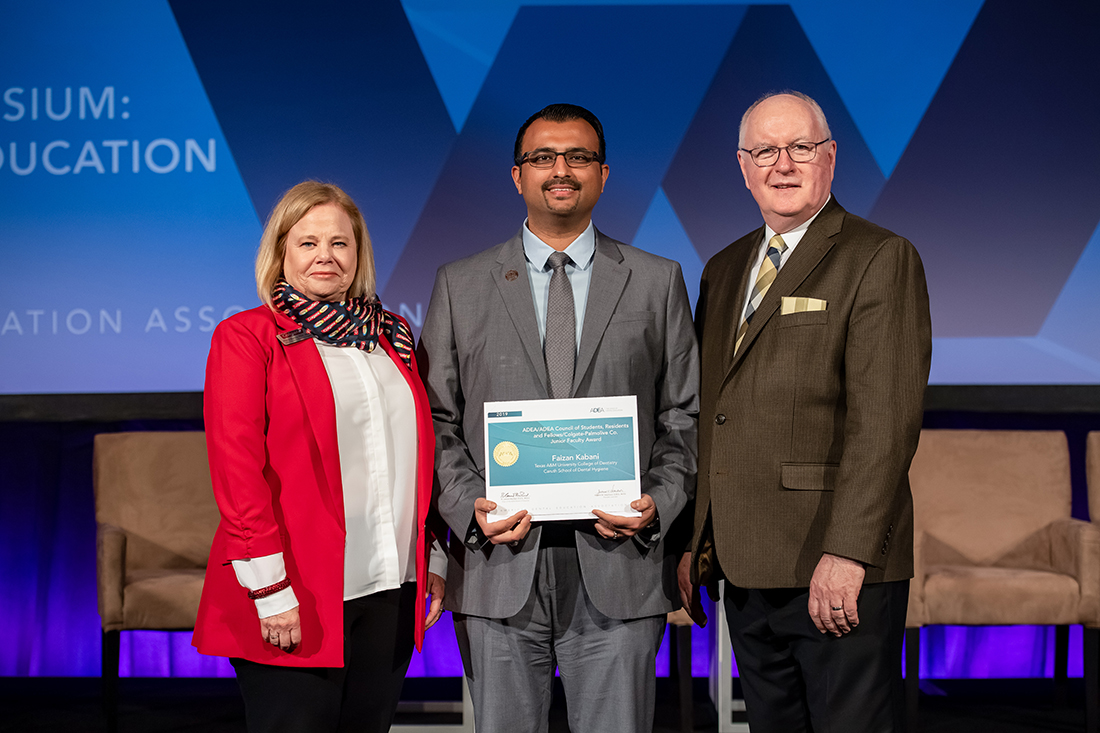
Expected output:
(815, 108)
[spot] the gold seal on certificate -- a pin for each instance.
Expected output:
(505, 453)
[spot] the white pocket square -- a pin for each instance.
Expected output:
(801, 305)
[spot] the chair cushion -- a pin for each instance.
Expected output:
(162, 599)
(979, 596)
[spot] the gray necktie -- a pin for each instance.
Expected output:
(560, 348)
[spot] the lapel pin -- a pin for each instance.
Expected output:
(293, 337)
(511, 275)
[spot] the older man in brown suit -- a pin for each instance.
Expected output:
(816, 345)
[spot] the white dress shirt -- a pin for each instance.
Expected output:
(791, 239)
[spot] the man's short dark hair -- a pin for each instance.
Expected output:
(561, 113)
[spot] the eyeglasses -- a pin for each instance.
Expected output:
(799, 153)
(545, 158)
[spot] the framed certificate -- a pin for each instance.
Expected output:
(560, 459)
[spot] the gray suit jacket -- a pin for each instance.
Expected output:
(480, 342)
(807, 432)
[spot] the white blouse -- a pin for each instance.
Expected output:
(376, 433)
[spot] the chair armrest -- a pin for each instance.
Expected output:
(110, 574)
(916, 615)
(1075, 551)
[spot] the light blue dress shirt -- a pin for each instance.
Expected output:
(581, 251)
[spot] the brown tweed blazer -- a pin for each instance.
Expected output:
(806, 434)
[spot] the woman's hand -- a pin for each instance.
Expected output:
(436, 590)
(284, 630)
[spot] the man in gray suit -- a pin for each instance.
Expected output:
(589, 596)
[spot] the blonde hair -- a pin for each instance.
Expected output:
(295, 204)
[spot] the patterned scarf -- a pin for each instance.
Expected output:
(353, 322)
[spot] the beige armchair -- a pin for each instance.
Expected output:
(1092, 470)
(679, 665)
(155, 517)
(995, 543)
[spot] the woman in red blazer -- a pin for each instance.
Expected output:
(321, 453)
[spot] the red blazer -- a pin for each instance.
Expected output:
(274, 461)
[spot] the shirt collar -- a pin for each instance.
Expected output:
(794, 236)
(580, 250)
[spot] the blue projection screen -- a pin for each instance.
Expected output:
(143, 143)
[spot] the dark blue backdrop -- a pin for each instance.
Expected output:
(142, 143)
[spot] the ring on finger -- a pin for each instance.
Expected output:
(837, 608)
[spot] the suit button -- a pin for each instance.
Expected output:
(719, 419)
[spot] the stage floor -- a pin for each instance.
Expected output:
(55, 705)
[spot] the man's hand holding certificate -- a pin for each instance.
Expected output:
(565, 459)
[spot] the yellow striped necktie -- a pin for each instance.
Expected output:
(769, 268)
